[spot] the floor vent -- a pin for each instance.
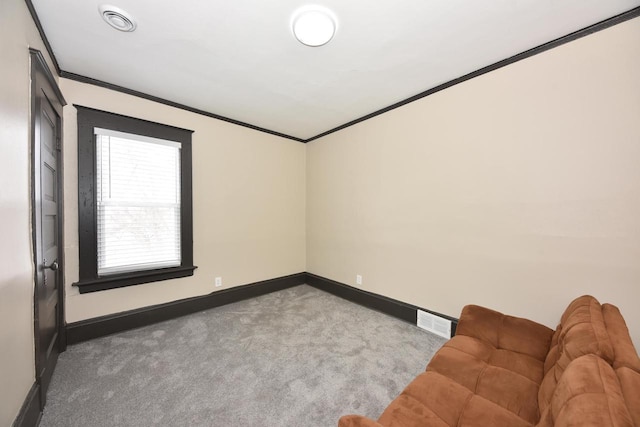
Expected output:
(435, 324)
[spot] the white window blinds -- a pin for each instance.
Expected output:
(138, 202)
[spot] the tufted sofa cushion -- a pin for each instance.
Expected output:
(582, 330)
(498, 358)
(626, 361)
(505, 332)
(630, 385)
(488, 374)
(501, 370)
(588, 394)
(624, 353)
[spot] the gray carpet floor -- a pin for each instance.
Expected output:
(298, 357)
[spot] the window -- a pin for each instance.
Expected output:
(134, 206)
(137, 203)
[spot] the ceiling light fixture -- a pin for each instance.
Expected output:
(313, 25)
(117, 18)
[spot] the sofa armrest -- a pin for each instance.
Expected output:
(505, 332)
(357, 421)
(588, 394)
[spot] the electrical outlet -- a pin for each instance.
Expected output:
(358, 279)
(218, 282)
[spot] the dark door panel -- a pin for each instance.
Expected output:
(47, 211)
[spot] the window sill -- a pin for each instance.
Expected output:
(134, 278)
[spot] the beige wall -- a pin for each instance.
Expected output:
(17, 34)
(518, 190)
(248, 203)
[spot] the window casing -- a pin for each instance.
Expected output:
(135, 201)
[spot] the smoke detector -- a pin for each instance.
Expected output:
(117, 18)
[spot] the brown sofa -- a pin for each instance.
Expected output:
(506, 371)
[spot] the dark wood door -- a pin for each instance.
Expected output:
(47, 225)
(47, 245)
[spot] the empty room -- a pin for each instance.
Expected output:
(325, 213)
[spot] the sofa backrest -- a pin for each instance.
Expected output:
(626, 362)
(582, 331)
(505, 332)
(588, 394)
(630, 385)
(625, 353)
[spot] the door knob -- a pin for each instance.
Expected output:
(53, 266)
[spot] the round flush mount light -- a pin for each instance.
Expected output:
(117, 18)
(313, 25)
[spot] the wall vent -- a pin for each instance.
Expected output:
(434, 324)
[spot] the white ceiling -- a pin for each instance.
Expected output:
(238, 59)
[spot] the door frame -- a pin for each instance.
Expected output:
(45, 89)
